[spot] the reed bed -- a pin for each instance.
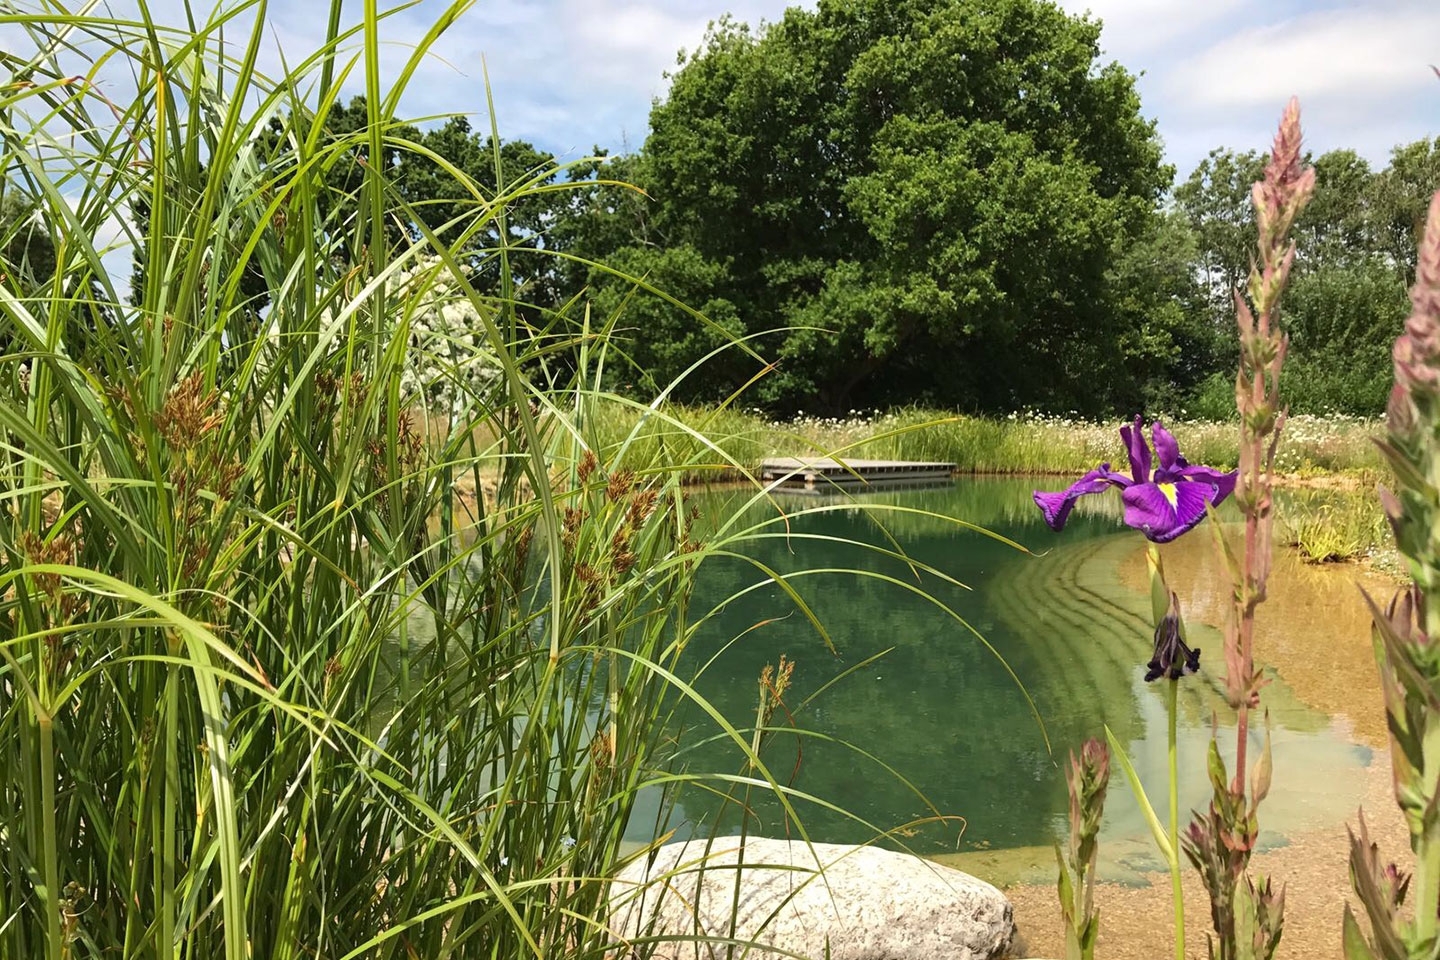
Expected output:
(270, 685)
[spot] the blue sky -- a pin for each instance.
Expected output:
(568, 74)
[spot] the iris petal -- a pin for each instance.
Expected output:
(1224, 483)
(1056, 506)
(1167, 450)
(1172, 657)
(1163, 503)
(1164, 514)
(1139, 451)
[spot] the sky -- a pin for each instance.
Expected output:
(568, 75)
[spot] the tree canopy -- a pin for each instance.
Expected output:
(946, 202)
(931, 197)
(1354, 260)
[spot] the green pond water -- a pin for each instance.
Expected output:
(940, 708)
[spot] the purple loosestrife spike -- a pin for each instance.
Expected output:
(1400, 415)
(1278, 198)
(1417, 352)
(1162, 499)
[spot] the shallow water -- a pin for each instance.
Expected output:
(942, 709)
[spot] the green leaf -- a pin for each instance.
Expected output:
(1354, 941)
(1066, 890)
(1215, 766)
(1162, 840)
(1244, 921)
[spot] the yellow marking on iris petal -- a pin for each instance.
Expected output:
(1169, 490)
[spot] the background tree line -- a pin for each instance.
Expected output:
(941, 202)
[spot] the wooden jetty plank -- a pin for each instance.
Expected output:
(813, 470)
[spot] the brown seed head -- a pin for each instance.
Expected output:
(587, 466)
(642, 502)
(572, 519)
(621, 482)
(189, 413)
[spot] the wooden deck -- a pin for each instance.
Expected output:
(824, 471)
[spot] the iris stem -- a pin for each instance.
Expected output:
(1176, 893)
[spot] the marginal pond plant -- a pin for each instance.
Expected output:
(1246, 914)
(1162, 503)
(1405, 634)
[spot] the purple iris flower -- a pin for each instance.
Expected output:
(1163, 503)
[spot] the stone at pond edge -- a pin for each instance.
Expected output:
(870, 904)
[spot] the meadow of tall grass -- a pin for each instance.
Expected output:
(1017, 444)
(270, 687)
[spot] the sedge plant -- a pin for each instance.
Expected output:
(299, 660)
(331, 622)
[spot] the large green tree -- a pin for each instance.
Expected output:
(27, 252)
(928, 195)
(1398, 198)
(1355, 256)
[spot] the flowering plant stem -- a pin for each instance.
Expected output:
(1248, 916)
(1162, 604)
(1176, 892)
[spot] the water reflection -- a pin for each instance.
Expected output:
(942, 709)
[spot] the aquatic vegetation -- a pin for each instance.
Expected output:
(1018, 444)
(1404, 635)
(332, 621)
(1163, 503)
(1088, 777)
(1328, 526)
(1247, 915)
(1152, 506)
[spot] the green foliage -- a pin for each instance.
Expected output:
(306, 654)
(1328, 526)
(921, 194)
(1169, 342)
(1215, 199)
(1355, 258)
(294, 665)
(26, 250)
(715, 440)
(1398, 198)
(661, 341)
(1342, 318)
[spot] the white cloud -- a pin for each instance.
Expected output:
(628, 46)
(1358, 56)
(568, 74)
(1135, 28)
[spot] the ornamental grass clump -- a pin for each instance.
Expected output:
(335, 620)
(1404, 639)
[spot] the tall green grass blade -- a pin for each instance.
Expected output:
(1157, 829)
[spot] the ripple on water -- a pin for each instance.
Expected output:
(1084, 607)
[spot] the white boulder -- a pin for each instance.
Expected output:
(792, 899)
